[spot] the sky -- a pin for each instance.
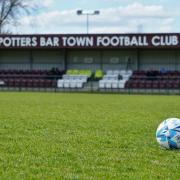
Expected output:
(116, 16)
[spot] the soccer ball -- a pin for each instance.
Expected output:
(168, 134)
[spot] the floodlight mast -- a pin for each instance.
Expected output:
(87, 14)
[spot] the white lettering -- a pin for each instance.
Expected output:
(64, 41)
(155, 41)
(52, 42)
(42, 41)
(134, 41)
(56, 41)
(127, 41)
(84, 41)
(7, 42)
(175, 40)
(71, 41)
(165, 40)
(34, 42)
(78, 41)
(114, 41)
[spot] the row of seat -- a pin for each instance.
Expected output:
(124, 74)
(110, 77)
(79, 72)
(23, 72)
(156, 72)
(26, 76)
(53, 71)
(29, 78)
(154, 80)
(115, 79)
(83, 78)
(162, 77)
(70, 83)
(28, 83)
(112, 84)
(146, 84)
(119, 72)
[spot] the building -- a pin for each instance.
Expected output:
(91, 51)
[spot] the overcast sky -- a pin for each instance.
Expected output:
(116, 16)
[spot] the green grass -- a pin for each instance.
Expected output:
(85, 136)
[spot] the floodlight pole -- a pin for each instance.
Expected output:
(87, 14)
(87, 20)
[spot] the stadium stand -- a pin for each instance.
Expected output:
(77, 79)
(74, 79)
(115, 79)
(154, 80)
(29, 78)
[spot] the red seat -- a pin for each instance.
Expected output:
(35, 82)
(162, 84)
(29, 83)
(155, 84)
(148, 84)
(176, 85)
(48, 83)
(41, 83)
(169, 84)
(11, 82)
(135, 84)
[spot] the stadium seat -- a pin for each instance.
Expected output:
(74, 79)
(102, 84)
(112, 79)
(148, 84)
(135, 84)
(155, 84)
(11, 82)
(176, 84)
(169, 84)
(116, 72)
(66, 83)
(73, 83)
(1, 83)
(108, 84)
(29, 83)
(41, 83)
(98, 74)
(115, 84)
(142, 84)
(79, 84)
(122, 84)
(109, 72)
(60, 83)
(22, 83)
(36, 83)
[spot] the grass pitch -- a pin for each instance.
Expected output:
(85, 136)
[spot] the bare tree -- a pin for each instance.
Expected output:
(10, 11)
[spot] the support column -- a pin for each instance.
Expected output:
(138, 60)
(176, 60)
(0, 59)
(65, 59)
(31, 60)
(101, 59)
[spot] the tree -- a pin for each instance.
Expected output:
(10, 11)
